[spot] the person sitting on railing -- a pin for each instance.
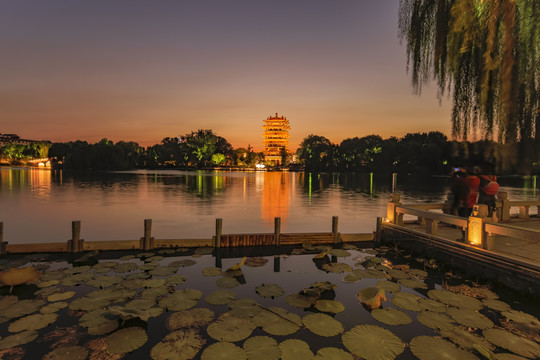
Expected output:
(460, 191)
(487, 191)
(473, 182)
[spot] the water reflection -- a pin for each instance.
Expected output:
(276, 196)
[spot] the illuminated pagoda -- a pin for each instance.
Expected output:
(276, 137)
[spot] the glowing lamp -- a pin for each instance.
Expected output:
(475, 231)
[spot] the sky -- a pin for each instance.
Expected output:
(142, 70)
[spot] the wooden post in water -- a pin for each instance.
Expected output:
(277, 230)
(378, 232)
(2, 242)
(147, 241)
(75, 245)
(335, 228)
(391, 209)
(219, 227)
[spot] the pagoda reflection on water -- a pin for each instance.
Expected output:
(276, 138)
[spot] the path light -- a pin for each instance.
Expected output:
(475, 226)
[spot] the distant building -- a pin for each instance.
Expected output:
(7, 139)
(276, 138)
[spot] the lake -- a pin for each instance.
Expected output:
(38, 205)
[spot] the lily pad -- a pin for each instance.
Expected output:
(18, 339)
(223, 351)
(331, 353)
(132, 284)
(269, 291)
(76, 279)
(125, 267)
(294, 349)
(153, 283)
(406, 301)
(322, 325)
(389, 286)
(432, 305)
(398, 274)
(44, 284)
(181, 300)
(300, 301)
(470, 318)
(227, 282)
(21, 308)
(211, 271)
(255, 261)
(340, 253)
(337, 268)
(32, 322)
(435, 320)
(413, 284)
(105, 327)
(496, 304)
(514, 343)
(431, 348)
(183, 263)
(163, 271)
(126, 340)
(140, 304)
(244, 308)
(61, 296)
(465, 339)
(220, 297)
(153, 293)
(8, 301)
(204, 250)
(277, 321)
(369, 273)
(262, 348)
(155, 258)
(372, 296)
(127, 257)
(230, 328)
(372, 342)
(391, 316)
(54, 307)
(19, 276)
(67, 353)
(459, 300)
(329, 306)
(176, 279)
(350, 278)
(178, 345)
(104, 281)
(190, 318)
(418, 273)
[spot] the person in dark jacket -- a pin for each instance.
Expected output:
(487, 190)
(460, 191)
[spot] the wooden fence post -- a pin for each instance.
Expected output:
(504, 214)
(75, 245)
(2, 242)
(219, 228)
(277, 231)
(378, 232)
(335, 221)
(391, 208)
(147, 241)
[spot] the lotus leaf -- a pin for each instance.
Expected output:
(45, 284)
(413, 284)
(8, 301)
(178, 345)
(181, 300)
(167, 251)
(223, 351)
(61, 296)
(230, 328)
(329, 306)
(54, 307)
(435, 320)
(132, 284)
(431, 348)
(340, 253)
(183, 263)
(220, 297)
(163, 271)
(470, 318)
(432, 305)
(294, 349)
(277, 321)
(521, 317)
(331, 353)
(389, 286)
(77, 270)
(244, 308)
(153, 283)
(19, 276)
(391, 316)
(337, 268)
(465, 339)
(126, 340)
(46, 291)
(127, 257)
(459, 300)
(76, 279)
(92, 318)
(140, 304)
(227, 282)
(323, 285)
(211, 271)
(32, 322)
(103, 328)
(125, 267)
(269, 291)
(514, 343)
(262, 348)
(105, 264)
(406, 301)
(372, 296)
(350, 278)
(255, 261)
(145, 255)
(398, 274)
(154, 258)
(100, 299)
(372, 342)
(300, 301)
(496, 304)
(322, 325)
(21, 308)
(176, 279)
(67, 353)
(149, 266)
(190, 318)
(21, 338)
(508, 356)
(153, 293)
(370, 274)
(418, 273)
(204, 250)
(139, 275)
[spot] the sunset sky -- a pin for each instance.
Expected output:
(144, 70)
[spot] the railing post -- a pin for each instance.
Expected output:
(432, 226)
(2, 242)
(219, 228)
(335, 221)
(147, 241)
(475, 225)
(75, 245)
(391, 208)
(277, 231)
(523, 212)
(504, 213)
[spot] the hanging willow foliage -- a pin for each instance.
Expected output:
(486, 53)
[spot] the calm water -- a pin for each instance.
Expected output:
(38, 205)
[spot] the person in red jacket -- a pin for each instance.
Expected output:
(473, 183)
(487, 191)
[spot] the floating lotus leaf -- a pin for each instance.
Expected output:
(244, 308)
(223, 351)
(323, 285)
(21, 308)
(458, 300)
(140, 304)
(470, 318)
(92, 318)
(204, 250)
(331, 353)
(127, 257)
(432, 305)
(32, 322)
(220, 297)
(269, 291)
(255, 262)
(300, 301)
(372, 296)
(103, 327)
(21, 338)
(100, 299)
(149, 266)
(67, 353)
(340, 253)
(132, 284)
(465, 339)
(508, 356)
(153, 293)
(374, 259)
(398, 274)
(54, 307)
(277, 321)
(76, 279)
(230, 328)
(521, 317)
(77, 270)
(8, 301)
(406, 301)
(45, 284)
(227, 282)
(127, 314)
(139, 275)
(178, 345)
(294, 349)
(514, 343)
(61, 296)
(370, 274)
(190, 318)
(176, 279)
(104, 281)
(337, 268)
(372, 342)
(105, 264)
(435, 320)
(125, 267)
(350, 278)
(413, 284)
(43, 293)
(322, 325)
(153, 283)
(431, 348)
(262, 348)
(183, 263)
(145, 255)
(211, 271)
(19, 276)
(163, 271)
(126, 340)
(389, 286)
(155, 258)
(418, 273)
(329, 306)
(181, 300)
(496, 304)
(391, 316)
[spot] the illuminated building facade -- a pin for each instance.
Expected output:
(276, 137)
